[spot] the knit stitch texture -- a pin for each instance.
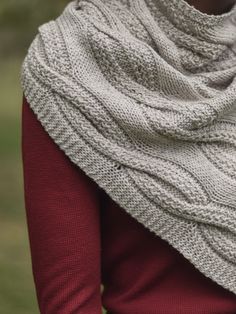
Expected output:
(141, 94)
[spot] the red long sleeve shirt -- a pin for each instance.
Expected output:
(80, 238)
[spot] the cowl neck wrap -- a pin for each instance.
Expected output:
(141, 95)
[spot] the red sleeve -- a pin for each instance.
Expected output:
(62, 211)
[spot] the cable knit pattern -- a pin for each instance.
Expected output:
(141, 94)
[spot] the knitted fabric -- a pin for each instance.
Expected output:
(141, 94)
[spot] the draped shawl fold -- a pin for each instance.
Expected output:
(141, 94)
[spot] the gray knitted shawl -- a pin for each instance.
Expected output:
(141, 95)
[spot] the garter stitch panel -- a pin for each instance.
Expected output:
(141, 94)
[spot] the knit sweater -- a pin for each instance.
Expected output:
(141, 95)
(80, 238)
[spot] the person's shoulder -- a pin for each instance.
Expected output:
(46, 50)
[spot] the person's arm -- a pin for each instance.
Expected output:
(62, 210)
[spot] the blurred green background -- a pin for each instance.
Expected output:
(18, 25)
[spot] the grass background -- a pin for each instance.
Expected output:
(17, 293)
(18, 25)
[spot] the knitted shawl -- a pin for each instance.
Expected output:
(141, 95)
